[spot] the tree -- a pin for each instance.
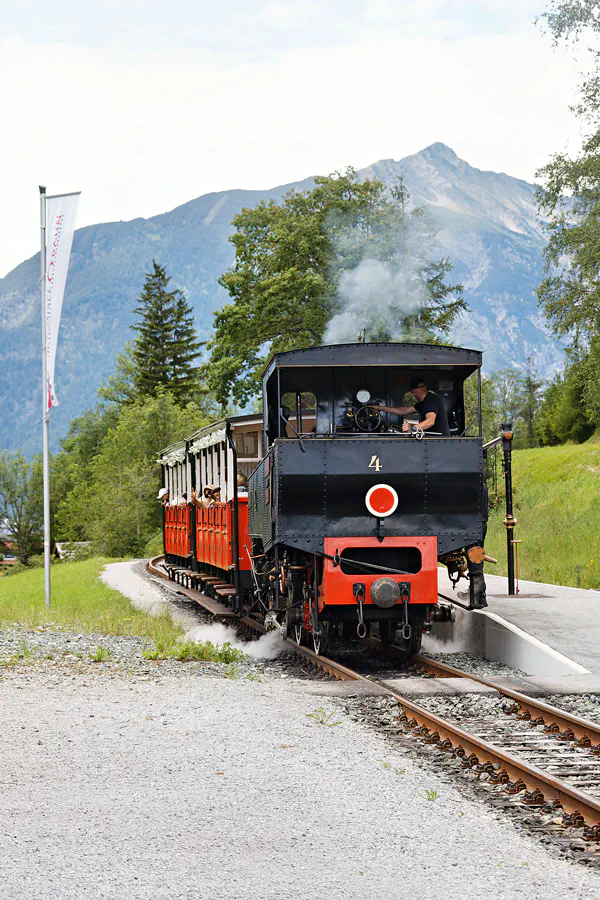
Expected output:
(184, 350)
(165, 349)
(120, 387)
(113, 503)
(568, 18)
(562, 416)
(71, 471)
(569, 295)
(508, 387)
(22, 502)
(530, 401)
(311, 262)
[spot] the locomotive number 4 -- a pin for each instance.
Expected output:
(375, 464)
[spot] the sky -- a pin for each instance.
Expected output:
(145, 104)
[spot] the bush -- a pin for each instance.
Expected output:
(35, 562)
(155, 546)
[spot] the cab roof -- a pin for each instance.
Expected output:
(376, 354)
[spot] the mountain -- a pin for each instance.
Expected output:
(487, 227)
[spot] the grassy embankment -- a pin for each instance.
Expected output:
(83, 603)
(557, 505)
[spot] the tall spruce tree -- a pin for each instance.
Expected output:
(185, 350)
(165, 348)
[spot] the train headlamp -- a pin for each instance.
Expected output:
(381, 500)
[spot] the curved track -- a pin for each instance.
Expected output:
(545, 738)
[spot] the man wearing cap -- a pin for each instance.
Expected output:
(163, 495)
(431, 410)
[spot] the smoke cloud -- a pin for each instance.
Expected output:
(381, 266)
(377, 296)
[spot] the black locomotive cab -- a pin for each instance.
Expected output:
(351, 510)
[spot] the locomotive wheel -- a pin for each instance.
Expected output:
(321, 638)
(415, 641)
(411, 647)
(294, 619)
(387, 632)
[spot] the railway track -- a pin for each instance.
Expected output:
(545, 755)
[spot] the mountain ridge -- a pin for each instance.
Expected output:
(488, 227)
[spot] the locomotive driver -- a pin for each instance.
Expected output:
(431, 410)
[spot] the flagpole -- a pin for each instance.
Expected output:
(45, 410)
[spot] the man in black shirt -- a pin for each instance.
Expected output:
(432, 413)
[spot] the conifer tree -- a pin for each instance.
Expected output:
(165, 348)
(185, 349)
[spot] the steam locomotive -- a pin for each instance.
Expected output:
(346, 516)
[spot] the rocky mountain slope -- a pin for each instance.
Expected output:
(487, 225)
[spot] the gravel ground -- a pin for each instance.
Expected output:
(585, 705)
(64, 653)
(477, 665)
(466, 706)
(229, 789)
(67, 653)
(158, 780)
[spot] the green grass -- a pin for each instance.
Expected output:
(80, 602)
(557, 505)
(186, 651)
(100, 654)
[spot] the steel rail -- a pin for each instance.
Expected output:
(582, 730)
(475, 751)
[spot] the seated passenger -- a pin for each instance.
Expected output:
(431, 410)
(242, 484)
(216, 496)
(163, 496)
(182, 500)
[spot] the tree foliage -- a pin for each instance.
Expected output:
(120, 387)
(562, 414)
(163, 354)
(567, 19)
(290, 261)
(112, 497)
(22, 502)
(569, 294)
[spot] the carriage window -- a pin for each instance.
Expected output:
(300, 408)
(246, 444)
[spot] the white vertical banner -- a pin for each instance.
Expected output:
(61, 211)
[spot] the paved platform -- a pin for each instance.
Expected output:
(566, 619)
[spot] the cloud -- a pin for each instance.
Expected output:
(141, 131)
(285, 14)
